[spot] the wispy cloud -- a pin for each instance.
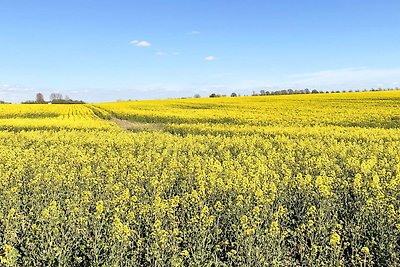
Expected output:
(16, 93)
(339, 79)
(140, 43)
(347, 78)
(210, 58)
(7, 88)
(193, 33)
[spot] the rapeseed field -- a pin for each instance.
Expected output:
(304, 180)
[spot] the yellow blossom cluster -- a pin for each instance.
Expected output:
(51, 117)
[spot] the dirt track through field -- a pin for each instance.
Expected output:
(137, 126)
(124, 124)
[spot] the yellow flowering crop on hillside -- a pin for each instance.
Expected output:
(304, 180)
(49, 117)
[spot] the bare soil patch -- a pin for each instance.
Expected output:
(137, 126)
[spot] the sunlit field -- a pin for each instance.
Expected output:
(296, 180)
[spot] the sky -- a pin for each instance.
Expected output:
(107, 50)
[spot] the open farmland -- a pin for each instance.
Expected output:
(304, 180)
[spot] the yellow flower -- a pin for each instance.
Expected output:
(10, 255)
(365, 250)
(250, 231)
(259, 193)
(312, 210)
(274, 228)
(357, 182)
(244, 220)
(204, 211)
(218, 206)
(184, 253)
(335, 239)
(99, 209)
(121, 230)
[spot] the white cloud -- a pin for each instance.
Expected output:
(161, 53)
(140, 43)
(193, 33)
(210, 58)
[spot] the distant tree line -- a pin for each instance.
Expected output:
(304, 91)
(217, 95)
(286, 92)
(55, 98)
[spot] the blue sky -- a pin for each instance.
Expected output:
(99, 50)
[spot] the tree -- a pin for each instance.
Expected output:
(233, 94)
(40, 98)
(55, 97)
(196, 96)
